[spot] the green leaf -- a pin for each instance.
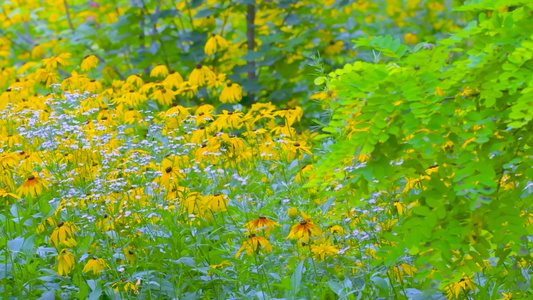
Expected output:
(296, 279)
(15, 244)
(320, 80)
(381, 283)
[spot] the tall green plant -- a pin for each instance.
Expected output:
(444, 130)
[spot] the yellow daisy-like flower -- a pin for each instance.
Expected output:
(96, 265)
(187, 89)
(93, 86)
(34, 185)
(232, 93)
(216, 81)
(336, 229)
(465, 284)
(261, 223)
(321, 250)
(200, 75)
(171, 174)
(65, 263)
(254, 243)
(5, 193)
(163, 96)
(334, 48)
(130, 255)
(216, 202)
(205, 22)
(214, 44)
(53, 62)
(46, 77)
(131, 98)
(62, 235)
(38, 52)
(159, 71)
(89, 62)
(126, 286)
(135, 80)
(303, 230)
(173, 80)
(9, 160)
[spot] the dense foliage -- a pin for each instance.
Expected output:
(266, 149)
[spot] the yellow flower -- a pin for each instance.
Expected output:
(334, 48)
(399, 207)
(5, 193)
(200, 75)
(131, 98)
(135, 81)
(92, 87)
(127, 286)
(130, 255)
(173, 80)
(507, 296)
(96, 265)
(46, 77)
(187, 89)
(214, 44)
(254, 243)
(221, 265)
(465, 284)
(292, 212)
(65, 262)
(170, 174)
(53, 62)
(297, 149)
(62, 235)
(336, 229)
(33, 186)
(159, 71)
(410, 38)
(303, 230)
(89, 62)
(439, 91)
(205, 22)
(216, 202)
(216, 81)
(321, 250)
(232, 93)
(38, 52)
(163, 96)
(228, 119)
(106, 223)
(261, 223)
(9, 160)
(398, 271)
(291, 115)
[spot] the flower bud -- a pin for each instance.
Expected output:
(292, 212)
